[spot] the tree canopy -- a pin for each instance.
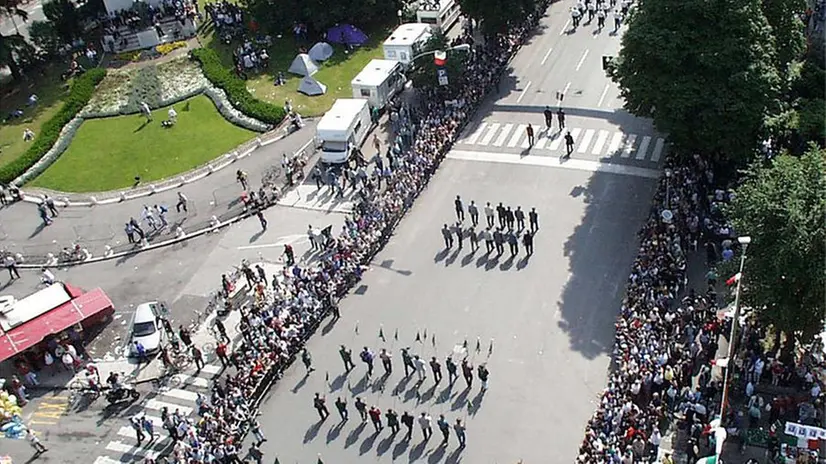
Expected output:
(704, 71)
(12, 45)
(423, 71)
(782, 207)
(319, 15)
(496, 15)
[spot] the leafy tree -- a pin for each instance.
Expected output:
(495, 16)
(423, 72)
(11, 45)
(702, 70)
(65, 18)
(787, 30)
(44, 35)
(319, 15)
(782, 207)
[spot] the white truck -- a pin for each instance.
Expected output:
(378, 82)
(343, 129)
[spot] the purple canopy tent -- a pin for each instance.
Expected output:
(346, 34)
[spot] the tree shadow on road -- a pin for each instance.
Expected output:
(312, 432)
(353, 437)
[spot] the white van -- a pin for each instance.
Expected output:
(404, 43)
(343, 129)
(441, 14)
(378, 82)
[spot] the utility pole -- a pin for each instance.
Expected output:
(732, 342)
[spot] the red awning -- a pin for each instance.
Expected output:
(58, 319)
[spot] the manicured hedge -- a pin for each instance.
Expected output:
(236, 88)
(81, 91)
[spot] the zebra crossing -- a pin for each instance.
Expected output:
(599, 142)
(180, 394)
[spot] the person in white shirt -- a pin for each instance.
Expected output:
(425, 422)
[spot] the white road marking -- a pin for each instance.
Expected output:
(565, 91)
(601, 138)
(506, 130)
(628, 146)
(602, 97)
(180, 394)
(646, 141)
(291, 239)
(554, 162)
(520, 132)
(586, 141)
(472, 139)
(107, 460)
(615, 144)
(541, 141)
(575, 135)
(565, 27)
(158, 405)
(555, 143)
(213, 368)
(524, 91)
(658, 149)
(525, 143)
(581, 60)
(489, 136)
(123, 448)
(545, 58)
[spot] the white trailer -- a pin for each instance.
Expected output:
(378, 82)
(343, 129)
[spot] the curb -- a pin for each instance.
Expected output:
(220, 163)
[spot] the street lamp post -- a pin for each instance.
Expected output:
(744, 242)
(668, 188)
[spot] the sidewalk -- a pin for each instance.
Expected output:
(100, 229)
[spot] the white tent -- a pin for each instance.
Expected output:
(303, 65)
(311, 87)
(321, 51)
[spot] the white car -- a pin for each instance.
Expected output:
(146, 327)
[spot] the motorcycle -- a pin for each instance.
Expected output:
(121, 394)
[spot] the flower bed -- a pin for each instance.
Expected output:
(81, 92)
(165, 49)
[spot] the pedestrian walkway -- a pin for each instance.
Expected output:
(601, 143)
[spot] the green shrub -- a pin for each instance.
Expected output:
(82, 89)
(236, 88)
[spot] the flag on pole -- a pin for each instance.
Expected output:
(734, 279)
(440, 58)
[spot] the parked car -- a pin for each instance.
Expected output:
(146, 327)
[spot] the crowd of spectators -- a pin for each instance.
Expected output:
(227, 18)
(664, 342)
(145, 15)
(289, 309)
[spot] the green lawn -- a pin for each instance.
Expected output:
(50, 91)
(107, 154)
(336, 73)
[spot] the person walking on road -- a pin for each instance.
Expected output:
(457, 229)
(289, 254)
(198, 358)
(346, 358)
(474, 238)
(473, 210)
(262, 275)
(319, 403)
(407, 421)
(420, 369)
(183, 333)
(182, 203)
(533, 220)
(407, 360)
(549, 117)
(425, 422)
(487, 236)
(513, 242)
(483, 373)
(520, 218)
(392, 421)
(261, 219)
(241, 177)
(367, 358)
(49, 202)
(136, 424)
(452, 374)
(221, 352)
(375, 418)
(35, 443)
(436, 368)
(444, 427)
(11, 266)
(148, 427)
(489, 214)
(459, 428)
(341, 405)
(499, 241)
(529, 130)
(386, 361)
(44, 215)
(307, 360)
(460, 209)
(256, 431)
(569, 144)
(500, 213)
(361, 407)
(527, 241)
(448, 236)
(560, 118)
(140, 352)
(467, 372)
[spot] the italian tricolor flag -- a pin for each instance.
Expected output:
(734, 279)
(440, 58)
